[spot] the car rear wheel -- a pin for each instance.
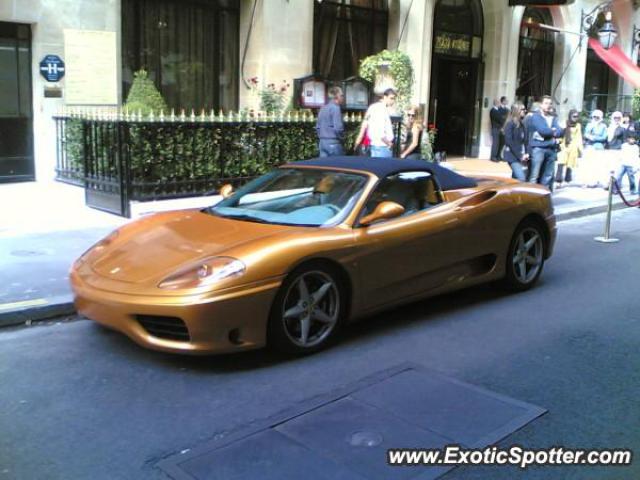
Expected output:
(308, 310)
(526, 256)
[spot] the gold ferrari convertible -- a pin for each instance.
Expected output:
(293, 255)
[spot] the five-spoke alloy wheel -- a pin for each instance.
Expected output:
(307, 310)
(526, 256)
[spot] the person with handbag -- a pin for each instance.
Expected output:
(362, 145)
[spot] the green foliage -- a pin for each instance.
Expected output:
(172, 159)
(636, 104)
(400, 69)
(144, 96)
(428, 143)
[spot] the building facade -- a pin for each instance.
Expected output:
(201, 53)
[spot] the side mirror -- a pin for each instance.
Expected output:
(226, 190)
(384, 211)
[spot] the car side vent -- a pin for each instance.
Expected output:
(170, 328)
(478, 199)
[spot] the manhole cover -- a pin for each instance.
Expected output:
(29, 253)
(404, 407)
(365, 439)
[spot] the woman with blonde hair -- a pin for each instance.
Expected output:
(413, 139)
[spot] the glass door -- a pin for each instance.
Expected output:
(16, 116)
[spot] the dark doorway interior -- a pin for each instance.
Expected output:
(16, 123)
(596, 83)
(452, 104)
(456, 76)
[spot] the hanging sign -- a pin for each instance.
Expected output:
(456, 44)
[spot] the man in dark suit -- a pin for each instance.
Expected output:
(498, 115)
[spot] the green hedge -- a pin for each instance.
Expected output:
(162, 153)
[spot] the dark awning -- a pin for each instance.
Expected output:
(618, 61)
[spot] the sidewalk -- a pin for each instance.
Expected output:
(44, 227)
(569, 202)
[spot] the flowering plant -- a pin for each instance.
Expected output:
(428, 142)
(273, 99)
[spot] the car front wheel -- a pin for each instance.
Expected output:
(526, 257)
(307, 311)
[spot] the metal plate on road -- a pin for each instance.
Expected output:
(346, 433)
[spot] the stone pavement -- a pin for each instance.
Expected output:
(45, 226)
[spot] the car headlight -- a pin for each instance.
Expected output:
(206, 272)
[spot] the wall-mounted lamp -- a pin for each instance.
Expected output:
(635, 41)
(607, 32)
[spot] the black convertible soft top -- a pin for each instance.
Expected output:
(382, 167)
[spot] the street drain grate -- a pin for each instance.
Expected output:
(346, 433)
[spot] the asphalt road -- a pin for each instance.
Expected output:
(78, 402)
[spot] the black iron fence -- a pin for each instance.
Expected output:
(120, 159)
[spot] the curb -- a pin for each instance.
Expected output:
(63, 305)
(585, 212)
(53, 307)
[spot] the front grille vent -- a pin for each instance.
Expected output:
(170, 328)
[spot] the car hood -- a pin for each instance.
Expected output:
(155, 247)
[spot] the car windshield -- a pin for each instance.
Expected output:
(295, 196)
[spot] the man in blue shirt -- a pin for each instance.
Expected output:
(330, 127)
(543, 143)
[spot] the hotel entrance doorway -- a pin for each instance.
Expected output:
(456, 76)
(16, 122)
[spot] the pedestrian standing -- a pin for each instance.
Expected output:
(413, 139)
(615, 139)
(595, 133)
(629, 124)
(595, 139)
(330, 127)
(629, 162)
(498, 116)
(545, 131)
(515, 140)
(571, 146)
(378, 125)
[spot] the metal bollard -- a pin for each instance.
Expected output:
(607, 227)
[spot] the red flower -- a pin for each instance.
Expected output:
(432, 126)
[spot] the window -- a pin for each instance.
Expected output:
(415, 191)
(535, 56)
(291, 196)
(345, 32)
(189, 48)
(596, 83)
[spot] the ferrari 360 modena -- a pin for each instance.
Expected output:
(293, 255)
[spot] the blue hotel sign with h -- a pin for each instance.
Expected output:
(52, 68)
